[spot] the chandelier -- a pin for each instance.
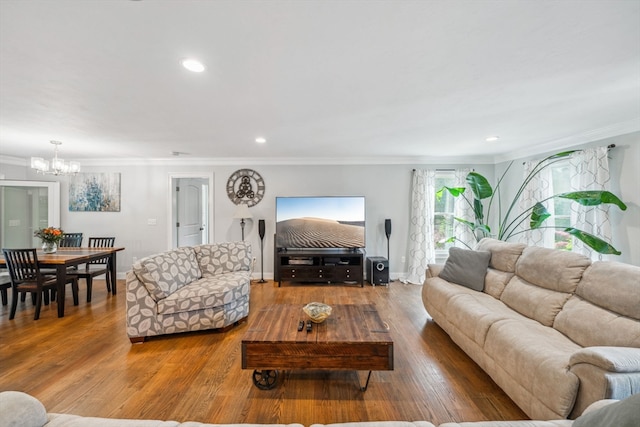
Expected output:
(56, 166)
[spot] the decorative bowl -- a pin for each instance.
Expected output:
(317, 311)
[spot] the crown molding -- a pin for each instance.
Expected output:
(618, 129)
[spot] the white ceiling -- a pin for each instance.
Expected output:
(337, 81)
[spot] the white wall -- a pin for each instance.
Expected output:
(624, 164)
(145, 195)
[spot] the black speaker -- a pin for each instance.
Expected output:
(261, 229)
(387, 227)
(378, 270)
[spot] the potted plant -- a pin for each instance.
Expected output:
(511, 223)
(50, 237)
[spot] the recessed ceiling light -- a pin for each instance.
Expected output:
(260, 140)
(492, 138)
(193, 65)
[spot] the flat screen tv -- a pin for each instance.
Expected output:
(320, 222)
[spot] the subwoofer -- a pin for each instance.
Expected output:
(378, 270)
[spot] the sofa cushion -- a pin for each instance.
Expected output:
(473, 314)
(20, 409)
(613, 286)
(467, 268)
(606, 307)
(590, 325)
(517, 423)
(69, 420)
(223, 258)
(537, 358)
(544, 281)
(165, 273)
(551, 268)
(534, 301)
(208, 292)
(504, 255)
(495, 281)
(377, 424)
(625, 413)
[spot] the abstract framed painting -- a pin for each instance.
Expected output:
(94, 192)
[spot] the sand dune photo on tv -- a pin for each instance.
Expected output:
(320, 222)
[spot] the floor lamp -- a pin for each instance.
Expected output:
(242, 213)
(261, 230)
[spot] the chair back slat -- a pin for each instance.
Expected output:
(101, 242)
(71, 240)
(22, 264)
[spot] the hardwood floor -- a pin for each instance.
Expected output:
(84, 364)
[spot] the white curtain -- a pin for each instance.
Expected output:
(539, 188)
(590, 171)
(421, 250)
(461, 209)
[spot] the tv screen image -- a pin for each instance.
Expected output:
(320, 222)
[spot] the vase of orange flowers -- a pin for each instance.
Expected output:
(50, 237)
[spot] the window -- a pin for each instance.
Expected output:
(561, 208)
(443, 213)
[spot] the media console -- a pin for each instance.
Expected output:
(319, 266)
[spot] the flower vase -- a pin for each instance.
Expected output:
(49, 247)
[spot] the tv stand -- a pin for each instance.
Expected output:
(319, 266)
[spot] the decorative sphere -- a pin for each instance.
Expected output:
(317, 311)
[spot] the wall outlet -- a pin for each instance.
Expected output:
(402, 260)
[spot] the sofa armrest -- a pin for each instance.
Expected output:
(141, 310)
(433, 270)
(604, 373)
(610, 359)
(21, 409)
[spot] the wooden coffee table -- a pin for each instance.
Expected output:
(352, 338)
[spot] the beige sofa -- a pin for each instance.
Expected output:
(188, 289)
(23, 410)
(554, 331)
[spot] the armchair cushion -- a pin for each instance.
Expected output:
(165, 273)
(223, 258)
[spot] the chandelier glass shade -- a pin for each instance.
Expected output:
(55, 166)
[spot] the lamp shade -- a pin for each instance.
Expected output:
(242, 212)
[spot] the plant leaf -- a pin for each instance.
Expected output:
(562, 154)
(595, 243)
(474, 226)
(478, 210)
(538, 215)
(469, 224)
(479, 185)
(454, 191)
(485, 229)
(594, 198)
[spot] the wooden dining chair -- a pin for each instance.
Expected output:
(5, 284)
(26, 277)
(98, 267)
(71, 240)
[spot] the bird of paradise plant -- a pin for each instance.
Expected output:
(511, 224)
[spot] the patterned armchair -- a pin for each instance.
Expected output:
(189, 289)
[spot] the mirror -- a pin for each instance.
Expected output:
(26, 206)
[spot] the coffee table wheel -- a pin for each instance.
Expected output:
(265, 380)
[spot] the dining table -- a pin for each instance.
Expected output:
(64, 258)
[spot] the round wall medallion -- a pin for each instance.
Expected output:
(245, 186)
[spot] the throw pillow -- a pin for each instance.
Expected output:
(625, 413)
(466, 267)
